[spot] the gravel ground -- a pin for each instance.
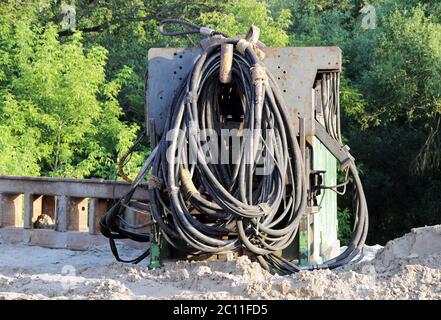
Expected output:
(406, 268)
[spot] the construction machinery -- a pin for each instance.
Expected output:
(246, 146)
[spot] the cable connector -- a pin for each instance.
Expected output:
(258, 73)
(242, 45)
(206, 31)
(251, 40)
(253, 34)
(350, 159)
(259, 77)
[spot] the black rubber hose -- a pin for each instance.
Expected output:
(263, 210)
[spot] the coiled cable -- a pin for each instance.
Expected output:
(203, 205)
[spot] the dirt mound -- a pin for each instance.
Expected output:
(406, 268)
(422, 246)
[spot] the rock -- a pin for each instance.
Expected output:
(44, 222)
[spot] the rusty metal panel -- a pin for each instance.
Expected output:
(167, 69)
(295, 70)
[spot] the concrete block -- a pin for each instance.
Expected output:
(60, 240)
(48, 206)
(32, 209)
(11, 207)
(97, 209)
(61, 215)
(83, 241)
(15, 235)
(77, 214)
(48, 238)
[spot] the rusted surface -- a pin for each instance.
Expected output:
(226, 63)
(294, 70)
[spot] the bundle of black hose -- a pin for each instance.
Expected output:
(114, 226)
(242, 193)
(113, 231)
(234, 197)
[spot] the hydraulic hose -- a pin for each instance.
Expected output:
(255, 203)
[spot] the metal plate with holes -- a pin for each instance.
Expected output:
(295, 70)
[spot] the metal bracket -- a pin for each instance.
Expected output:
(338, 150)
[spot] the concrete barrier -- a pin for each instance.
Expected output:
(74, 205)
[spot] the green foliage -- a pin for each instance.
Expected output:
(71, 101)
(344, 231)
(61, 114)
(320, 22)
(19, 151)
(127, 31)
(237, 16)
(402, 89)
(404, 80)
(353, 104)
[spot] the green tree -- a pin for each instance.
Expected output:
(390, 87)
(400, 148)
(404, 79)
(236, 17)
(60, 112)
(127, 29)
